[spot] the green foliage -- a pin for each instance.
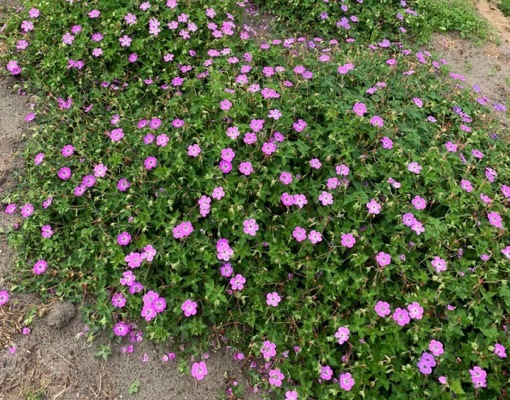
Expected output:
(133, 388)
(104, 352)
(323, 285)
(380, 19)
(504, 6)
(449, 16)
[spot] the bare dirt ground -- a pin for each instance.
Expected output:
(55, 361)
(485, 65)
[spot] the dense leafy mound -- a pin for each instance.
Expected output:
(334, 208)
(373, 20)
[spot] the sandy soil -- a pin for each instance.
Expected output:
(56, 362)
(485, 65)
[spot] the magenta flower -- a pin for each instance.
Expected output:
(272, 299)
(11, 209)
(342, 334)
(27, 210)
(46, 231)
(348, 240)
(300, 234)
(100, 171)
(67, 150)
(346, 381)
(268, 148)
(326, 373)
(439, 264)
(225, 105)
(94, 14)
(506, 251)
(162, 140)
(123, 238)
(150, 162)
(189, 308)
(373, 207)
(315, 237)
(183, 230)
(80, 190)
(257, 125)
(332, 183)
(194, 150)
(89, 180)
(134, 259)
(506, 191)
(466, 185)
(268, 349)
(377, 121)
(199, 370)
(478, 377)
(415, 311)
(359, 109)
(250, 227)
(477, 154)
(125, 41)
(225, 166)
(382, 309)
(226, 270)
(38, 159)
(13, 67)
(401, 317)
(436, 347)
(275, 114)
(276, 377)
(414, 167)
(237, 282)
(246, 168)
(383, 259)
(64, 173)
(123, 184)
(300, 200)
(326, 198)
(39, 267)
(228, 154)
(4, 297)
(233, 132)
(250, 138)
(315, 163)
(387, 143)
(286, 178)
(287, 199)
(495, 219)
(499, 349)
(450, 147)
(218, 193)
(118, 300)
(149, 253)
(342, 170)
(120, 329)
(419, 203)
(177, 123)
(299, 125)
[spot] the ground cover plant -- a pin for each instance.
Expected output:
(326, 206)
(380, 19)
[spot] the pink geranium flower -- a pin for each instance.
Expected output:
(382, 309)
(346, 381)
(272, 299)
(189, 308)
(199, 370)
